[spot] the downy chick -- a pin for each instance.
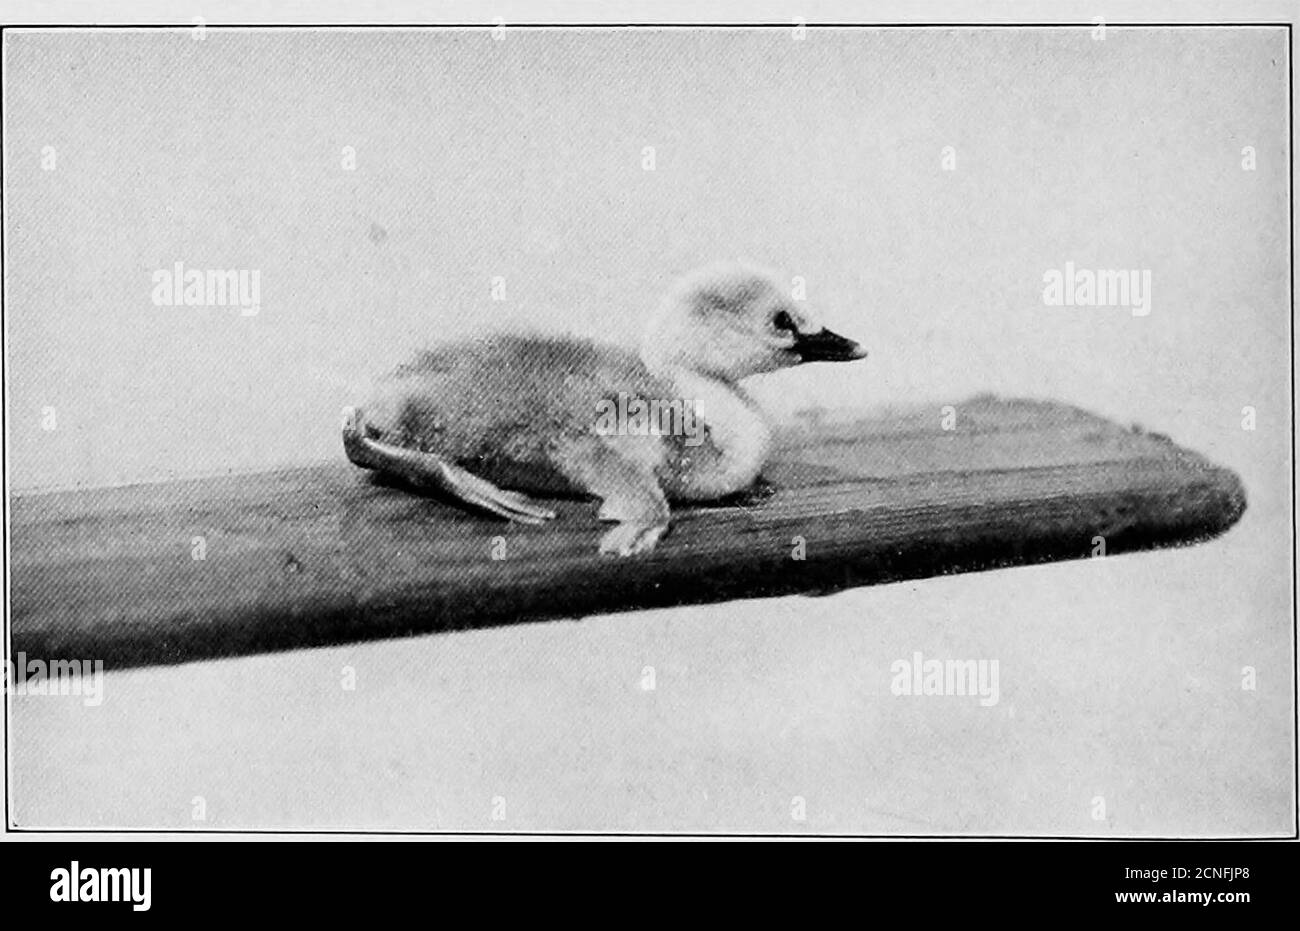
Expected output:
(533, 413)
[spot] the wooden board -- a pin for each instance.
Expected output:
(324, 555)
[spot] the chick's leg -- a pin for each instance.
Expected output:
(428, 470)
(628, 489)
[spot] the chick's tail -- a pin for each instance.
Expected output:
(429, 470)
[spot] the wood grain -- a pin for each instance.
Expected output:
(324, 555)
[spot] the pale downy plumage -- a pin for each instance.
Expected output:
(537, 413)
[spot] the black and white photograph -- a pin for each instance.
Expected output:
(771, 422)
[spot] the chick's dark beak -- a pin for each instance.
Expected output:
(825, 346)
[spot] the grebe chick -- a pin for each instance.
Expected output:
(560, 415)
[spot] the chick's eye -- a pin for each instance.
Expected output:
(782, 321)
